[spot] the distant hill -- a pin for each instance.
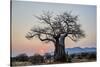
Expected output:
(79, 50)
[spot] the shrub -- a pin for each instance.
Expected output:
(37, 59)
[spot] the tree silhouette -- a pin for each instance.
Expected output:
(22, 57)
(37, 59)
(48, 57)
(56, 29)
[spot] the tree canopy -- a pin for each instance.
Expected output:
(64, 24)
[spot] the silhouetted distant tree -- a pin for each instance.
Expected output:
(37, 59)
(58, 28)
(91, 55)
(48, 57)
(21, 57)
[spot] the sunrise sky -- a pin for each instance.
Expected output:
(23, 20)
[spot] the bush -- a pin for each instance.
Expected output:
(37, 59)
(91, 56)
(21, 57)
(68, 58)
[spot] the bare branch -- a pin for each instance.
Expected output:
(45, 39)
(42, 31)
(30, 35)
(64, 24)
(47, 18)
(72, 39)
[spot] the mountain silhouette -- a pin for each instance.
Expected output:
(79, 50)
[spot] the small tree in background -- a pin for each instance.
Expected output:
(37, 59)
(47, 57)
(22, 57)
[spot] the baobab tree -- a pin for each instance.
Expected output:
(56, 29)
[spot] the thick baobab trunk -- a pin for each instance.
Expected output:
(59, 54)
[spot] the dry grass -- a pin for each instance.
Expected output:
(21, 63)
